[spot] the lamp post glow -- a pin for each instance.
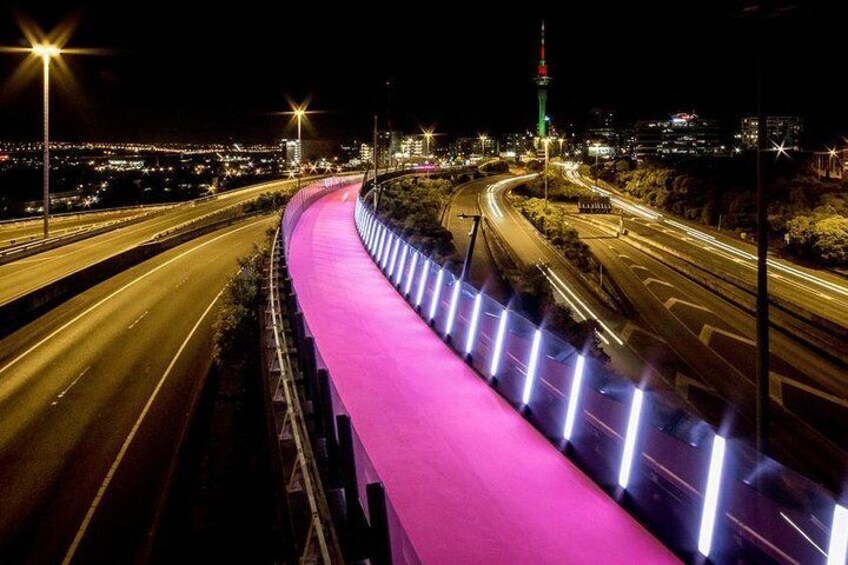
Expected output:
(428, 137)
(299, 113)
(483, 138)
(46, 52)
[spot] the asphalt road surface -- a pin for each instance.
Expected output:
(94, 398)
(32, 229)
(464, 200)
(816, 290)
(25, 275)
(683, 335)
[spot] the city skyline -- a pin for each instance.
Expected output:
(209, 79)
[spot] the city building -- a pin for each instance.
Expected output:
(292, 151)
(366, 153)
(780, 130)
(412, 146)
(682, 135)
(514, 145)
(831, 164)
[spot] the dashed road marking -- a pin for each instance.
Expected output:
(70, 386)
(671, 302)
(707, 333)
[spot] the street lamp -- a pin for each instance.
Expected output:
(428, 136)
(466, 265)
(547, 142)
(483, 138)
(46, 52)
(299, 113)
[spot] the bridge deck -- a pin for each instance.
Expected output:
(470, 480)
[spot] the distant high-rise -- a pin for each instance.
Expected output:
(683, 135)
(292, 151)
(780, 130)
(542, 81)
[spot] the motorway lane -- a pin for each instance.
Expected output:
(73, 385)
(819, 291)
(464, 200)
(31, 229)
(645, 364)
(681, 307)
(695, 339)
(23, 276)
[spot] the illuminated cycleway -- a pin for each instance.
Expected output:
(468, 478)
(460, 464)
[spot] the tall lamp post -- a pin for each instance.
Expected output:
(547, 143)
(483, 138)
(46, 52)
(466, 265)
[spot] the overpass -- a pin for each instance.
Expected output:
(467, 434)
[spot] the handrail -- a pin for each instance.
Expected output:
(294, 413)
(683, 457)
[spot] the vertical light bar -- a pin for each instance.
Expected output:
(371, 231)
(437, 292)
(374, 231)
(573, 398)
(387, 250)
(837, 550)
(381, 238)
(499, 340)
(472, 329)
(531, 368)
(457, 286)
(400, 271)
(422, 284)
(411, 276)
(630, 438)
(394, 258)
(708, 518)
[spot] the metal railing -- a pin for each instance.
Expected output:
(320, 543)
(703, 494)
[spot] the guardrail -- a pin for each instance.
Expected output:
(705, 495)
(368, 515)
(318, 543)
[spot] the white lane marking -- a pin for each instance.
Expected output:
(70, 386)
(137, 320)
(560, 284)
(102, 301)
(671, 302)
(640, 267)
(125, 447)
(657, 281)
(707, 333)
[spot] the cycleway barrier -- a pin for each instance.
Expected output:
(703, 494)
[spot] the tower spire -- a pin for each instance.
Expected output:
(542, 80)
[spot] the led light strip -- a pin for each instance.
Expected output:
(573, 398)
(531, 367)
(472, 329)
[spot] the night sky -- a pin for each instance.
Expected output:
(208, 73)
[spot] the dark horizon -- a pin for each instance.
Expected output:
(211, 76)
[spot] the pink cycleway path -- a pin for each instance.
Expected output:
(469, 478)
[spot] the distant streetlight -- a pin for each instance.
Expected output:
(483, 138)
(428, 136)
(299, 113)
(547, 142)
(46, 52)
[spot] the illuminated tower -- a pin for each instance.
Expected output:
(542, 80)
